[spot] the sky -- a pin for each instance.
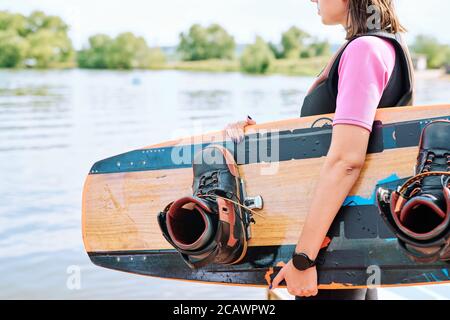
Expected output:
(161, 21)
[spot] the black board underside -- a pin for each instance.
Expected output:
(360, 248)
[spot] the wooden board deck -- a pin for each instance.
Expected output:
(123, 194)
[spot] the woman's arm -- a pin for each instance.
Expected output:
(339, 173)
(364, 71)
(341, 169)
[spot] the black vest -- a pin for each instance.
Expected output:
(398, 92)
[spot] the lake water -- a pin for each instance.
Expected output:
(55, 124)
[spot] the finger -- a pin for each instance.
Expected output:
(250, 121)
(229, 133)
(303, 293)
(298, 293)
(293, 292)
(235, 134)
(231, 126)
(241, 134)
(311, 291)
(306, 294)
(276, 281)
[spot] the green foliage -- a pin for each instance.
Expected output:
(13, 49)
(257, 58)
(156, 57)
(48, 48)
(316, 49)
(126, 51)
(300, 67)
(13, 22)
(436, 53)
(96, 55)
(211, 65)
(38, 20)
(276, 51)
(320, 48)
(206, 43)
(447, 56)
(39, 39)
(292, 42)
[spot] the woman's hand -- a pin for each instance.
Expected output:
(236, 130)
(299, 283)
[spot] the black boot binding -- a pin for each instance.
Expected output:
(418, 212)
(212, 226)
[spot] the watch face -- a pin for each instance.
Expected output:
(301, 261)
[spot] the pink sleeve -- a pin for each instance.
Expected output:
(364, 71)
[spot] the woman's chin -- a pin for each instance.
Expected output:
(329, 22)
(325, 21)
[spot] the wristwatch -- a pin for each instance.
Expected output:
(301, 261)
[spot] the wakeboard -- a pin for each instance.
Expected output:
(280, 162)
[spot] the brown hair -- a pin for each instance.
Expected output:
(359, 16)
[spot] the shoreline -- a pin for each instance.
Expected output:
(280, 67)
(290, 67)
(432, 74)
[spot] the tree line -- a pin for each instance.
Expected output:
(37, 40)
(40, 40)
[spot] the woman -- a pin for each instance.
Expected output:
(371, 70)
